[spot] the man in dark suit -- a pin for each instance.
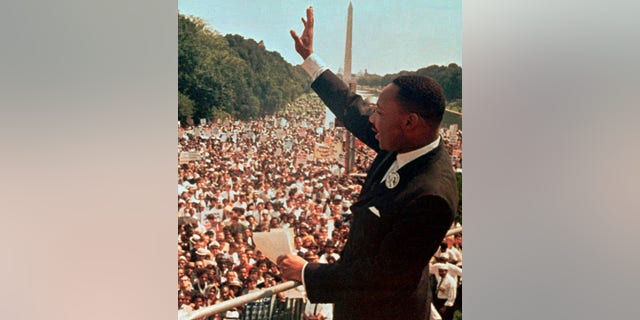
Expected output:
(405, 207)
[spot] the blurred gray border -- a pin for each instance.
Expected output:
(88, 93)
(89, 104)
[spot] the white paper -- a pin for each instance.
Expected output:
(273, 243)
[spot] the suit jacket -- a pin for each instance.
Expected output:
(383, 272)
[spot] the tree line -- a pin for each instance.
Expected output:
(220, 76)
(449, 77)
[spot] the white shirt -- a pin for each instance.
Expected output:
(446, 289)
(314, 66)
(455, 254)
(324, 257)
(403, 158)
(454, 271)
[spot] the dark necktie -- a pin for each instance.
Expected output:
(438, 287)
(375, 175)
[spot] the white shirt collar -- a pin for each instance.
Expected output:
(404, 158)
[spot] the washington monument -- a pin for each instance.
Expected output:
(347, 48)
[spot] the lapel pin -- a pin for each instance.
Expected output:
(392, 180)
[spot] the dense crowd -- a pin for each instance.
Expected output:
(236, 178)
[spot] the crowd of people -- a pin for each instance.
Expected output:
(237, 177)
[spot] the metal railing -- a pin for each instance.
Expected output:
(239, 301)
(253, 296)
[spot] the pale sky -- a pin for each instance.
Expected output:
(388, 36)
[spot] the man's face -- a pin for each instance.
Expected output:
(212, 294)
(442, 272)
(389, 119)
(182, 299)
(297, 242)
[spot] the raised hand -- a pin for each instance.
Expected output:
(304, 43)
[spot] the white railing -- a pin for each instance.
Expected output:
(249, 297)
(239, 301)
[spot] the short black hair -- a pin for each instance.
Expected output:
(421, 95)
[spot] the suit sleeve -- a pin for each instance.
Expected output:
(404, 252)
(346, 106)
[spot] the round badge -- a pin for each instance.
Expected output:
(392, 180)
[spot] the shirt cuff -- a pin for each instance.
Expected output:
(302, 276)
(314, 66)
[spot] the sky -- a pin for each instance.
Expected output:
(388, 36)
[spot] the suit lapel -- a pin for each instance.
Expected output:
(376, 189)
(412, 168)
(377, 172)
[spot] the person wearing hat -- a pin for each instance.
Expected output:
(329, 251)
(455, 272)
(203, 254)
(234, 225)
(445, 290)
(182, 261)
(235, 286)
(194, 239)
(406, 204)
(214, 247)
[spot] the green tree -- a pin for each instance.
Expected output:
(185, 107)
(230, 75)
(449, 77)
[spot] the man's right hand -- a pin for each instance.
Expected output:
(304, 43)
(291, 266)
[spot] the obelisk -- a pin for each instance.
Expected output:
(346, 77)
(347, 48)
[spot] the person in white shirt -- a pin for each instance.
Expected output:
(455, 256)
(452, 270)
(329, 249)
(445, 292)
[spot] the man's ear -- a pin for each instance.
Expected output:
(412, 121)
